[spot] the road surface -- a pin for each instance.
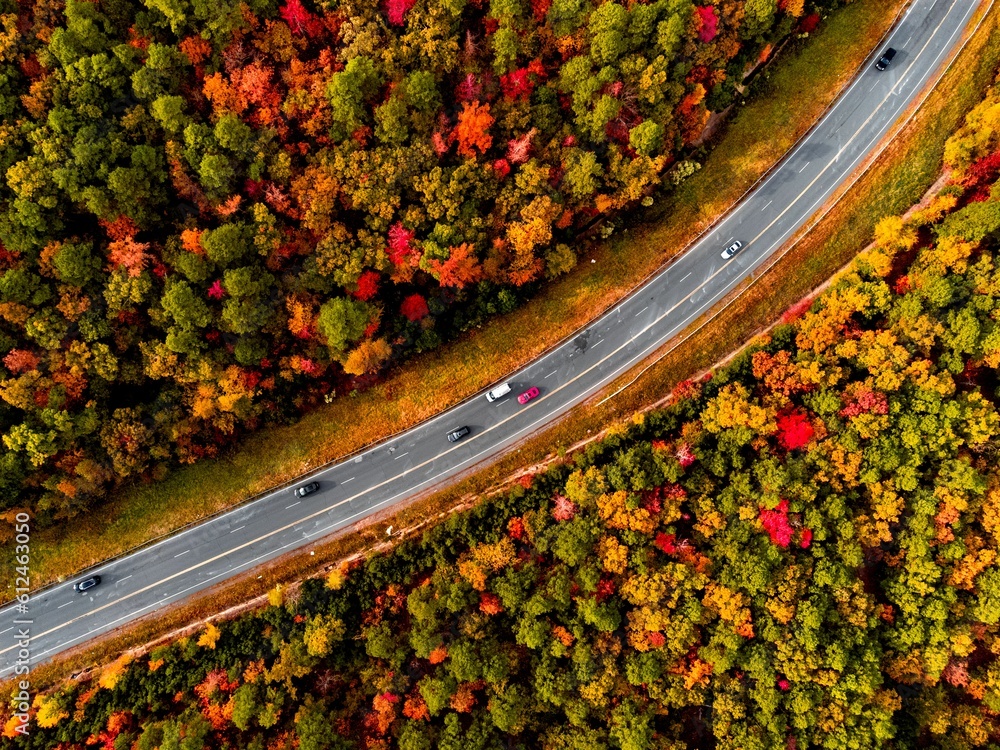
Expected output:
(58, 618)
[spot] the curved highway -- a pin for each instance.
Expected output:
(259, 531)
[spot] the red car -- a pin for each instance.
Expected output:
(527, 395)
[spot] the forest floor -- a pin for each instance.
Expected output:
(894, 182)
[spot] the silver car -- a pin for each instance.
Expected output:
(306, 489)
(87, 583)
(730, 251)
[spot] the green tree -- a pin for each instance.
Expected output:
(349, 91)
(76, 263)
(169, 112)
(646, 137)
(315, 729)
(607, 26)
(422, 91)
(342, 321)
(566, 16)
(582, 173)
(234, 135)
(630, 729)
(510, 709)
(227, 244)
(161, 75)
(759, 16)
(391, 121)
(186, 308)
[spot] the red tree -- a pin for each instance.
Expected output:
(300, 20)
(367, 286)
(539, 9)
(810, 22)
(414, 308)
(489, 603)
(20, 360)
(399, 243)
(564, 508)
(709, 23)
(461, 269)
(794, 429)
(502, 168)
(395, 10)
(469, 89)
(216, 291)
(515, 527)
(866, 402)
(517, 85)
(775, 523)
(519, 149)
(685, 456)
(666, 543)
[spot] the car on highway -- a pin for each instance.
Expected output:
(87, 583)
(499, 392)
(306, 489)
(527, 395)
(885, 59)
(455, 435)
(730, 251)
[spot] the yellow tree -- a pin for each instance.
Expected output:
(892, 233)
(368, 356)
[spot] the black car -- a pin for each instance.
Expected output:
(883, 62)
(455, 435)
(306, 489)
(86, 583)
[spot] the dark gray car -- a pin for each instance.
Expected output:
(455, 435)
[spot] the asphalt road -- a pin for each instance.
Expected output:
(58, 618)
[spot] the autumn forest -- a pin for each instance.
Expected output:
(214, 215)
(800, 550)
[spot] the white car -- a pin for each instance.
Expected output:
(730, 251)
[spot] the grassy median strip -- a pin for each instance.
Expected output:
(796, 91)
(896, 180)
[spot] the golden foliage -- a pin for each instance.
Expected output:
(335, 579)
(464, 698)
(892, 233)
(731, 606)
(254, 670)
(963, 575)
(276, 596)
(698, 674)
(619, 511)
(368, 356)
(484, 559)
(49, 711)
(732, 408)
(209, 637)
(613, 554)
(113, 672)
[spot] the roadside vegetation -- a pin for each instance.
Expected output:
(799, 551)
(757, 136)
